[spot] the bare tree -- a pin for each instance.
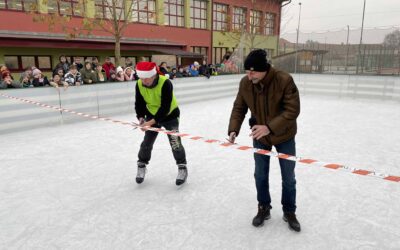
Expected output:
(116, 16)
(260, 25)
(392, 40)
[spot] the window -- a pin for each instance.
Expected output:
(174, 13)
(66, 7)
(144, 59)
(19, 63)
(144, 11)
(19, 5)
(270, 53)
(27, 61)
(220, 14)
(255, 21)
(219, 54)
(200, 50)
(239, 19)
(122, 62)
(269, 23)
(52, 6)
(198, 14)
(104, 9)
(71, 59)
(44, 62)
(11, 62)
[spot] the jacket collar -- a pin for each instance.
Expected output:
(265, 82)
(269, 76)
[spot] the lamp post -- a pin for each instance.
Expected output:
(297, 39)
(347, 48)
(361, 37)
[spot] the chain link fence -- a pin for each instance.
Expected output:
(340, 52)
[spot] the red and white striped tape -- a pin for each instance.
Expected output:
(235, 146)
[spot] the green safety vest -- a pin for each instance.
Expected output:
(152, 96)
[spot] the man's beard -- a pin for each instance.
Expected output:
(255, 81)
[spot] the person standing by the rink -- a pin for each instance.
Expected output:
(274, 102)
(156, 106)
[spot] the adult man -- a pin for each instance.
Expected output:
(156, 106)
(274, 102)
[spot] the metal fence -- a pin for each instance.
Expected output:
(339, 52)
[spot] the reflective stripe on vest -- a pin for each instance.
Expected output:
(152, 96)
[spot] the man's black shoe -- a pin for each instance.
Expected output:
(262, 215)
(293, 223)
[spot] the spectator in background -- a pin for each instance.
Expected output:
(142, 59)
(7, 81)
(172, 75)
(88, 59)
(95, 62)
(205, 70)
(77, 62)
(128, 62)
(60, 72)
(57, 82)
(73, 77)
(120, 74)
(181, 72)
(100, 76)
(26, 78)
(193, 70)
(3, 68)
(113, 76)
(88, 75)
(130, 74)
(213, 70)
(39, 80)
(107, 66)
(164, 69)
(63, 64)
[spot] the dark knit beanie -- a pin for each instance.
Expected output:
(257, 61)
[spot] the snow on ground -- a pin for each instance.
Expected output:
(73, 186)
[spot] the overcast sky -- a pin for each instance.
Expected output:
(323, 15)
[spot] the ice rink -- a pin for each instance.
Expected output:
(73, 186)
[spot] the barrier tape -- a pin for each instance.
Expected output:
(225, 144)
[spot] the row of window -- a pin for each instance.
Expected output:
(144, 11)
(220, 52)
(260, 23)
(19, 63)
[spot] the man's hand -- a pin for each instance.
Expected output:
(259, 131)
(148, 124)
(141, 121)
(232, 137)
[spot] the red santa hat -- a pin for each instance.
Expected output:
(146, 69)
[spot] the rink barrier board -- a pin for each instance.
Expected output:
(119, 98)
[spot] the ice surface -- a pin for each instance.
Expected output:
(73, 186)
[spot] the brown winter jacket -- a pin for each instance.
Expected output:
(274, 102)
